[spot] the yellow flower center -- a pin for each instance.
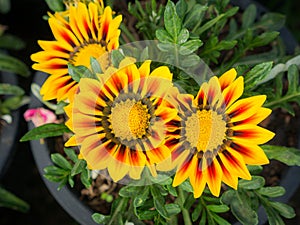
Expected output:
(138, 120)
(82, 55)
(129, 119)
(205, 130)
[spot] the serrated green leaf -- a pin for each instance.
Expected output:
(45, 131)
(289, 156)
(189, 47)
(272, 192)
(11, 42)
(218, 208)
(11, 64)
(255, 183)
(61, 161)
(100, 218)
(249, 16)
(9, 200)
(285, 210)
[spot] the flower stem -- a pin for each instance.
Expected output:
(117, 211)
(185, 212)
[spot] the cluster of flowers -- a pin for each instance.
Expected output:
(132, 117)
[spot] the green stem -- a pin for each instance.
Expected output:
(185, 212)
(282, 99)
(117, 211)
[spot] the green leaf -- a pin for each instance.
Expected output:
(256, 183)
(95, 65)
(70, 152)
(194, 17)
(256, 74)
(100, 218)
(272, 192)
(45, 131)
(141, 197)
(9, 200)
(8, 89)
(55, 5)
(78, 167)
(61, 161)
(289, 156)
(159, 201)
(243, 211)
(163, 36)
(189, 47)
(172, 21)
(273, 216)
(147, 214)
(218, 208)
(181, 8)
(203, 218)
(271, 21)
(197, 211)
(220, 220)
(173, 209)
(55, 171)
(11, 64)
(11, 42)
(254, 169)
(86, 178)
(183, 36)
(4, 6)
(285, 210)
(78, 72)
(186, 186)
(249, 16)
(129, 191)
(263, 39)
(116, 57)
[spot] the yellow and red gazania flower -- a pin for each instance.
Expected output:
(80, 35)
(120, 120)
(215, 135)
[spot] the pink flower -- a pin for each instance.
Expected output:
(40, 116)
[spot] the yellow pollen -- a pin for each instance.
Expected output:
(139, 120)
(205, 130)
(129, 119)
(83, 54)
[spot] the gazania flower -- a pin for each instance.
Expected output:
(83, 34)
(120, 120)
(215, 135)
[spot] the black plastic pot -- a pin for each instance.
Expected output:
(83, 214)
(9, 131)
(65, 197)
